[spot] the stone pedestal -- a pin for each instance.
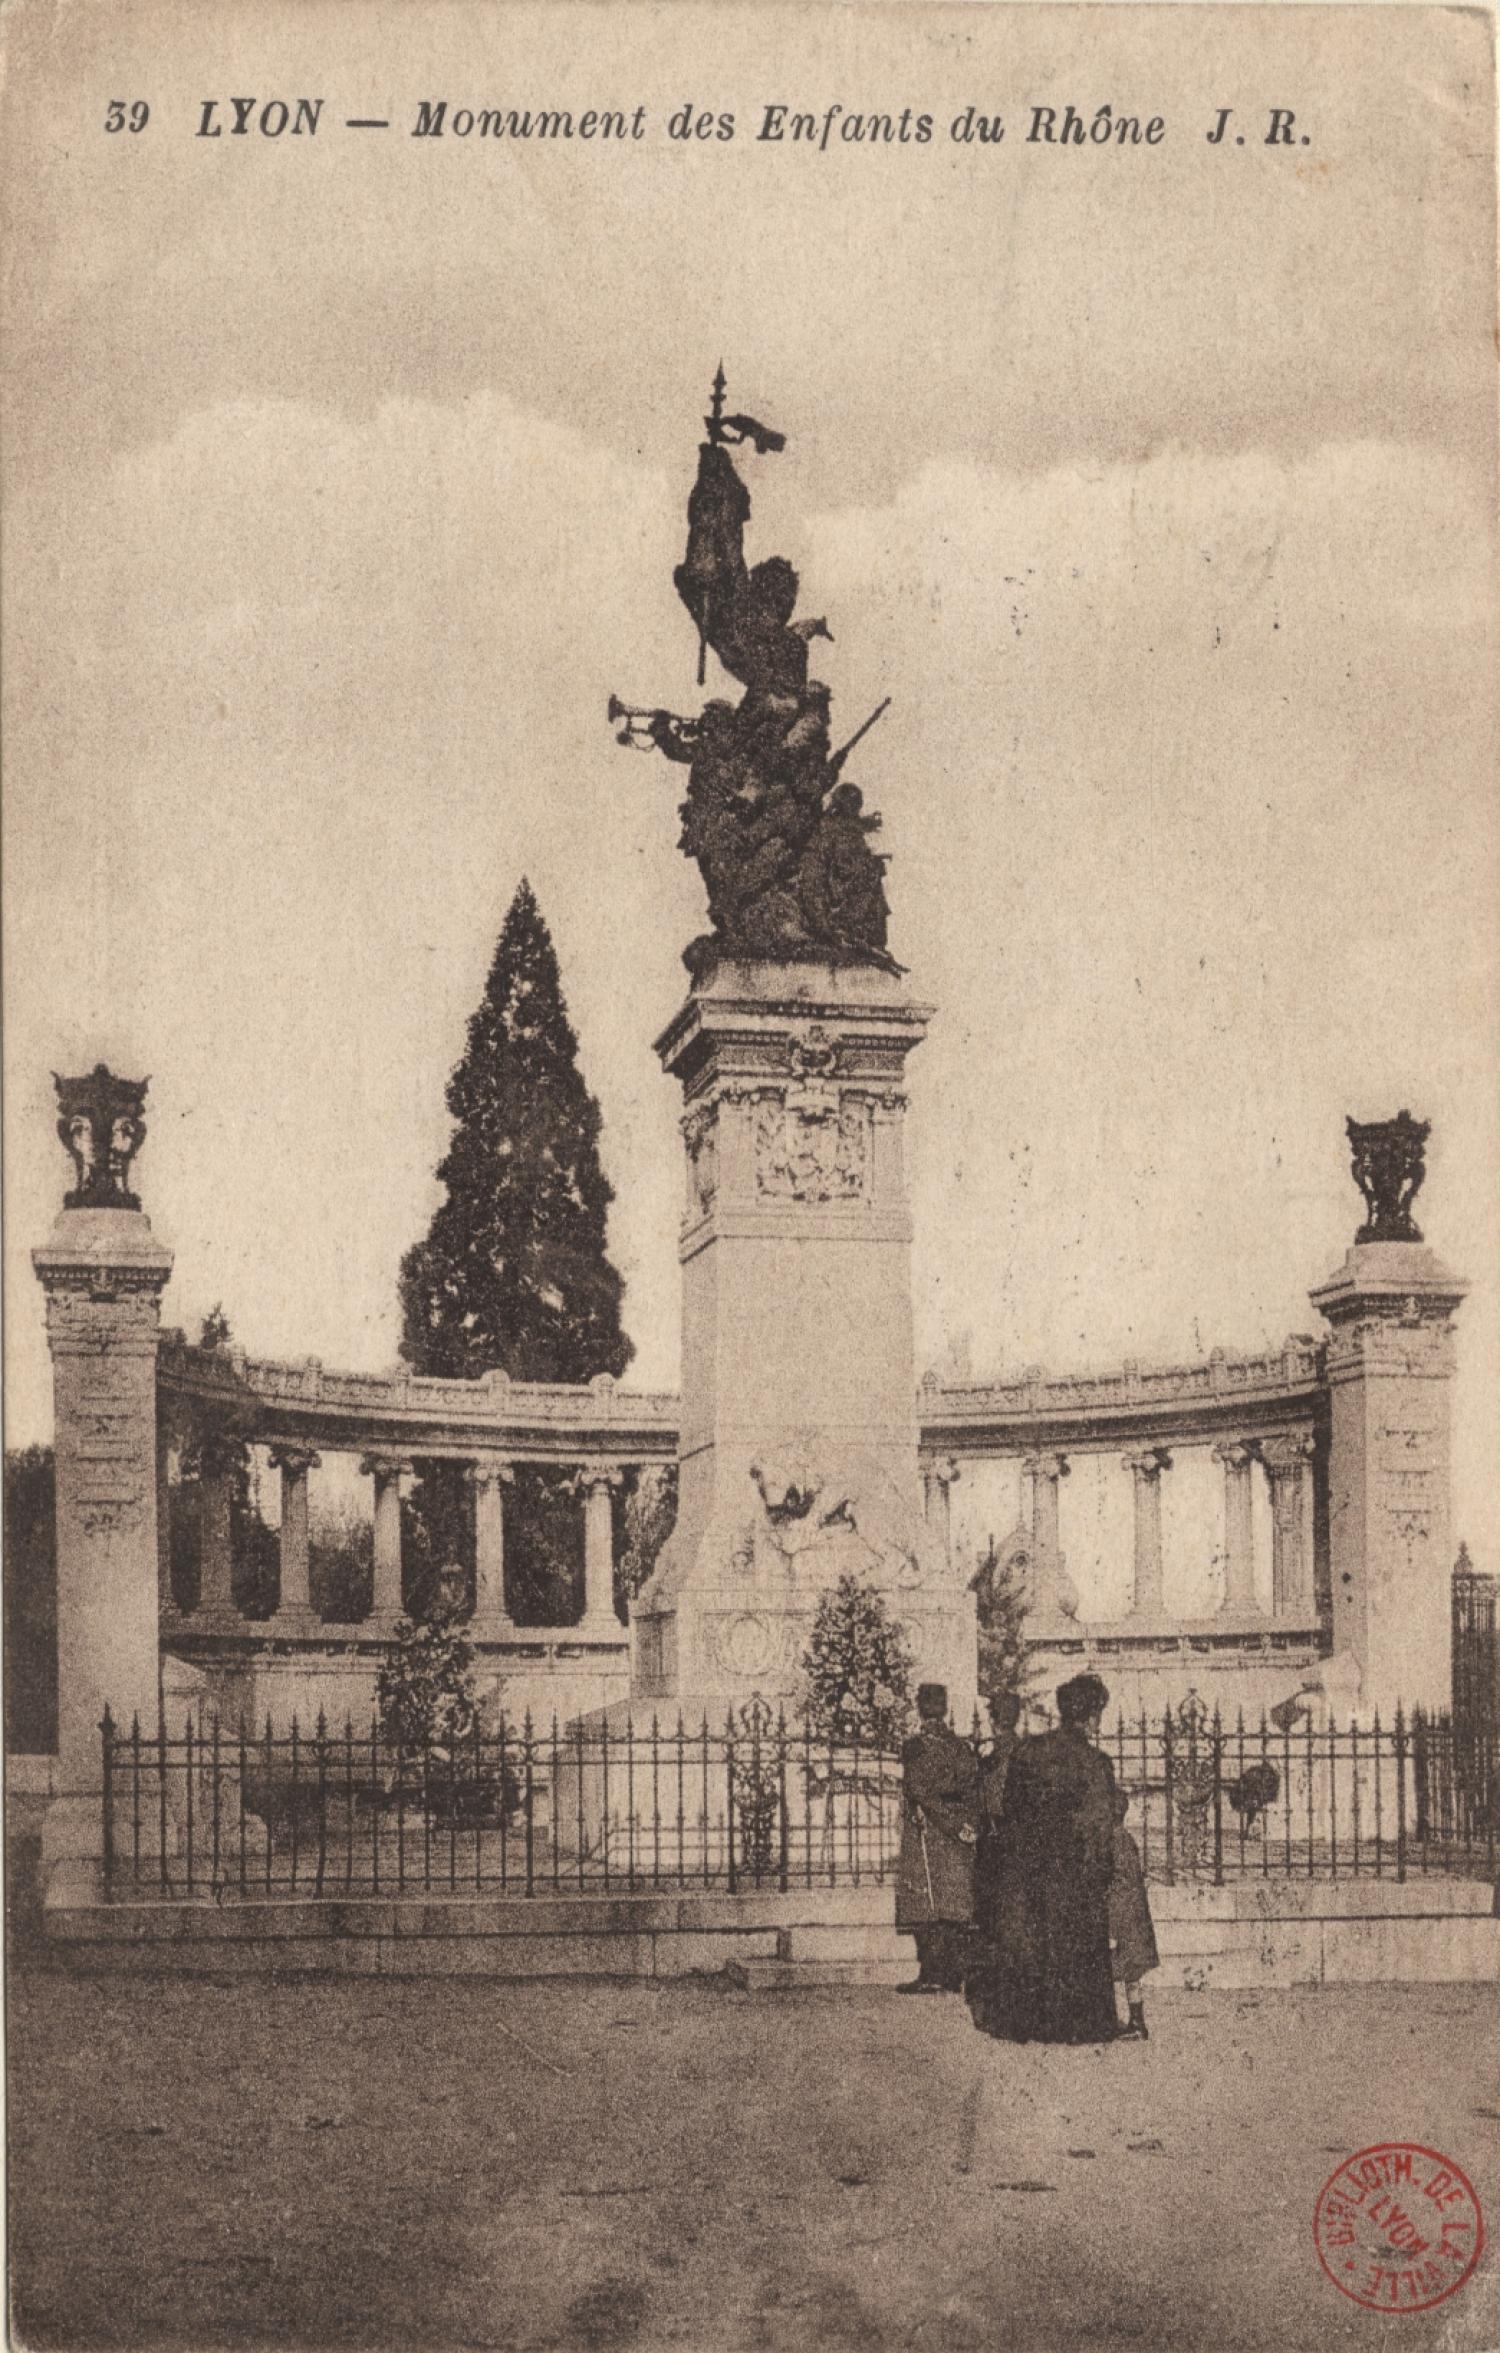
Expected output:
(798, 1447)
(1390, 1365)
(103, 1273)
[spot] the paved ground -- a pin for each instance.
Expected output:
(454, 2164)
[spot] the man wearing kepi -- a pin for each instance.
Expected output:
(940, 1816)
(1048, 1973)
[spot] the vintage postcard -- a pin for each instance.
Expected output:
(752, 1177)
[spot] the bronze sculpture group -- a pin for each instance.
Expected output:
(782, 842)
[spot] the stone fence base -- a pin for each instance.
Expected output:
(1254, 1934)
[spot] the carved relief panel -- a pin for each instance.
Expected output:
(814, 1150)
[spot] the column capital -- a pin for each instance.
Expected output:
(1148, 1462)
(1046, 1466)
(944, 1468)
(489, 1474)
(1399, 1282)
(1287, 1452)
(1236, 1454)
(595, 1477)
(377, 1465)
(296, 1460)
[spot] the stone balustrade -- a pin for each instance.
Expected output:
(536, 1421)
(1222, 1392)
(402, 1412)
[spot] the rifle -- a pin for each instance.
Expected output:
(835, 765)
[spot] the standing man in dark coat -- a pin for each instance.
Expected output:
(939, 1828)
(1049, 1975)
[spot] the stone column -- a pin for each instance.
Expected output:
(294, 1463)
(1390, 1365)
(387, 1471)
(1146, 1469)
(1239, 1541)
(597, 1481)
(489, 1481)
(939, 1473)
(103, 1273)
(216, 1469)
(1288, 1462)
(1045, 1472)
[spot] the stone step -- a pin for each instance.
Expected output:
(795, 1976)
(847, 1941)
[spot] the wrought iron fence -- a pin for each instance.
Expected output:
(757, 1803)
(1290, 1798)
(517, 1809)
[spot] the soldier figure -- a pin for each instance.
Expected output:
(935, 1875)
(782, 845)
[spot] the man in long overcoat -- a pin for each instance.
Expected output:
(1047, 1975)
(940, 1816)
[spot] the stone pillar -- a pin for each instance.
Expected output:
(294, 1464)
(1239, 1540)
(939, 1473)
(1288, 1462)
(387, 1471)
(1390, 1365)
(103, 1273)
(1146, 1469)
(489, 1481)
(1045, 1472)
(216, 1468)
(597, 1481)
(798, 1363)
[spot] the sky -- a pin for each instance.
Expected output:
(344, 482)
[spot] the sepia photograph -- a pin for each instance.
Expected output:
(751, 1016)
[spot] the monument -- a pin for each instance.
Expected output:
(103, 1272)
(1390, 1372)
(798, 1458)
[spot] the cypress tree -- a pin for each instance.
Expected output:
(514, 1273)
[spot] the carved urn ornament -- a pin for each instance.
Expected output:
(101, 1126)
(1388, 1168)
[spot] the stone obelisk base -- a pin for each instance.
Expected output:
(798, 1448)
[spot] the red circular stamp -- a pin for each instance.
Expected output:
(1398, 2227)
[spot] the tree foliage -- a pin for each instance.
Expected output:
(649, 1515)
(857, 1668)
(425, 1687)
(514, 1274)
(341, 1564)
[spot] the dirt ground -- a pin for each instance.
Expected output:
(455, 2164)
